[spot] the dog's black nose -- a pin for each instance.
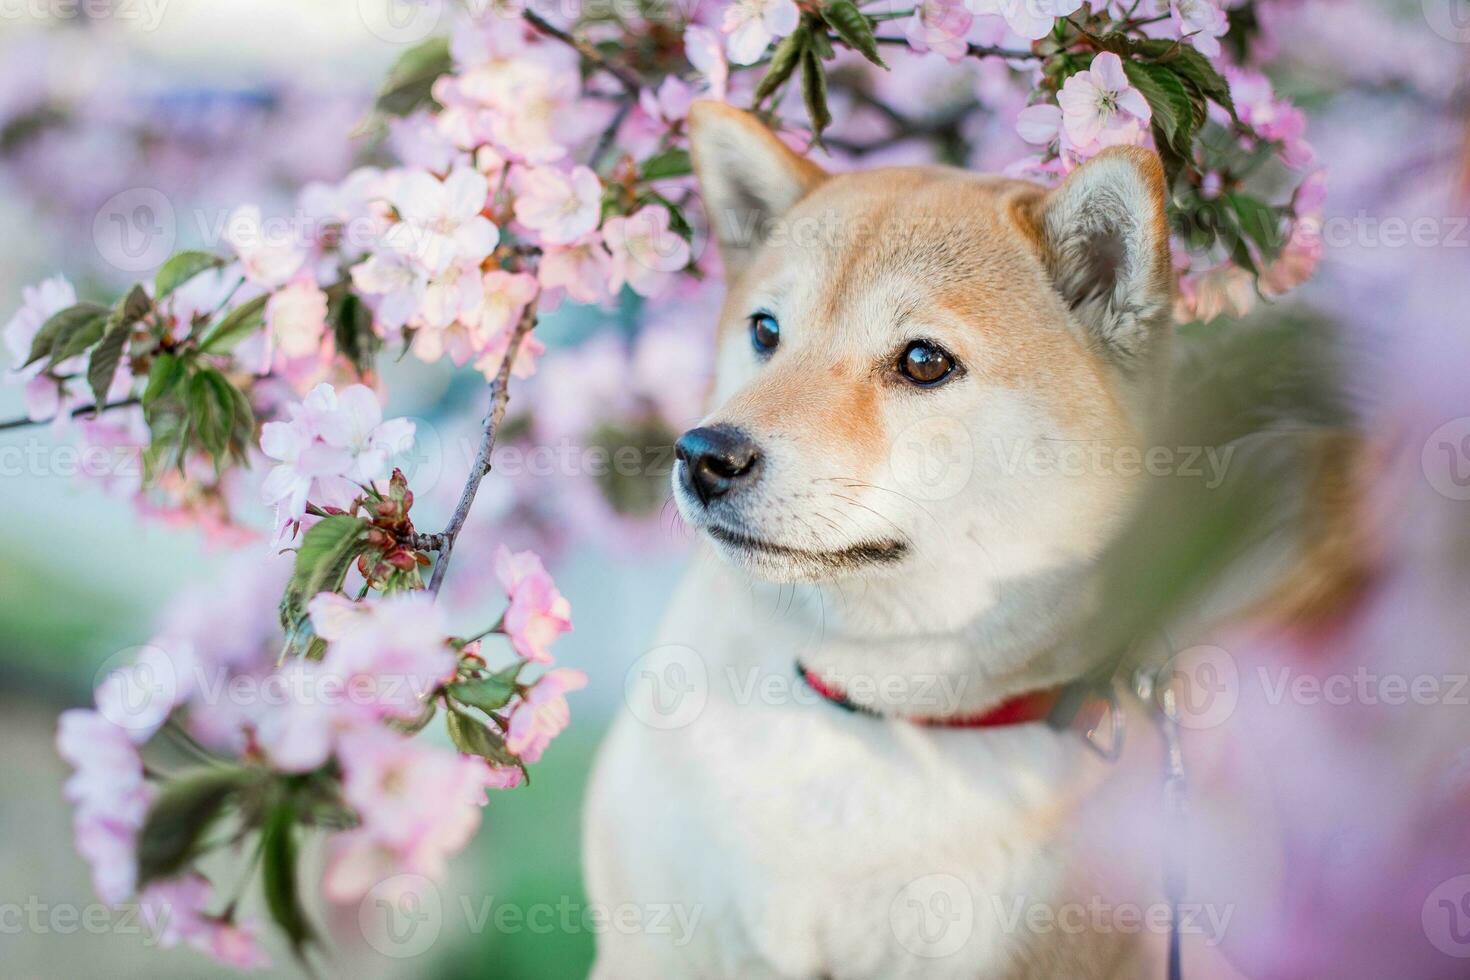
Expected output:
(716, 460)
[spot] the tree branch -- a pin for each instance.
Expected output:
(499, 396)
(589, 54)
(76, 414)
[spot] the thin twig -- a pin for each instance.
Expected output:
(76, 414)
(589, 54)
(499, 395)
(605, 141)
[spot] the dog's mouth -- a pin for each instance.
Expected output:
(853, 556)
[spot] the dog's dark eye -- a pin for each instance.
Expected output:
(925, 364)
(765, 332)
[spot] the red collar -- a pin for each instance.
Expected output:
(1020, 710)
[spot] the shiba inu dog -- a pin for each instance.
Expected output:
(924, 378)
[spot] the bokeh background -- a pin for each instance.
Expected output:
(216, 102)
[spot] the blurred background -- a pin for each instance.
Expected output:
(211, 103)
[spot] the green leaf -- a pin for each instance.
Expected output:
(167, 371)
(180, 817)
(352, 327)
(410, 83)
(327, 550)
(1186, 62)
(180, 269)
(102, 367)
(489, 693)
(783, 62)
(673, 162)
(238, 324)
(854, 27)
(211, 409)
(814, 92)
(278, 864)
(1173, 112)
(60, 325)
(473, 737)
(243, 435)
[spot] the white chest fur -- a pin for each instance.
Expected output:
(786, 837)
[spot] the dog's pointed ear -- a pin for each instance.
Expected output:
(1105, 240)
(747, 175)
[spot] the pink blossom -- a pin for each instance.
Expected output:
(441, 220)
(669, 103)
(38, 304)
(582, 269)
(1100, 107)
(453, 294)
(297, 318)
(333, 615)
(268, 256)
(235, 945)
(177, 908)
(1032, 19)
(506, 297)
(702, 48)
(298, 731)
(538, 613)
(396, 658)
(1201, 22)
(753, 24)
(941, 26)
(560, 207)
(543, 714)
(1273, 118)
(495, 349)
(1225, 289)
(139, 696)
(644, 250)
(110, 797)
(397, 280)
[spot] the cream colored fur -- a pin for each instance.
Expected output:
(816, 843)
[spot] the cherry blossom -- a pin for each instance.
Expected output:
(582, 269)
(38, 304)
(506, 296)
(397, 280)
(442, 222)
(942, 26)
(543, 713)
(110, 797)
(538, 613)
(753, 24)
(1100, 107)
(644, 250)
(560, 207)
(297, 317)
(702, 48)
(269, 256)
(1032, 19)
(1201, 22)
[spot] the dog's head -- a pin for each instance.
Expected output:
(921, 370)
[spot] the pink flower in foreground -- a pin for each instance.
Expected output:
(297, 318)
(582, 269)
(702, 48)
(1099, 106)
(496, 348)
(441, 219)
(268, 256)
(753, 24)
(543, 714)
(38, 304)
(110, 797)
(395, 658)
(1032, 19)
(538, 613)
(1201, 22)
(942, 26)
(645, 251)
(506, 296)
(559, 207)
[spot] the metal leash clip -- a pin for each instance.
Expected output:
(1164, 698)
